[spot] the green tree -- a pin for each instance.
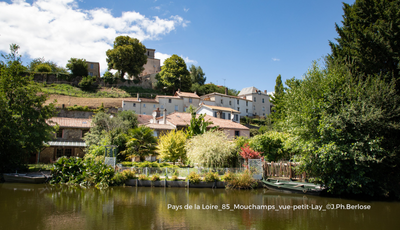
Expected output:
(127, 56)
(23, 114)
(141, 143)
(174, 75)
(171, 146)
(87, 82)
(54, 68)
(271, 145)
(43, 68)
(276, 98)
(211, 149)
(197, 75)
(197, 125)
(347, 130)
(109, 78)
(78, 67)
(368, 40)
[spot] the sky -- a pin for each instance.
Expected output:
(238, 43)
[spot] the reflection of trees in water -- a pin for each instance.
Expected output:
(63, 207)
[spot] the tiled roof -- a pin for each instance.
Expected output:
(70, 122)
(173, 97)
(148, 100)
(186, 94)
(183, 119)
(221, 108)
(160, 126)
(248, 90)
(144, 119)
(224, 95)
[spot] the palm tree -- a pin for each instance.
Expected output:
(141, 143)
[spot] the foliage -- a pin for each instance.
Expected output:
(211, 149)
(79, 108)
(118, 178)
(109, 78)
(211, 88)
(241, 181)
(155, 177)
(173, 178)
(254, 132)
(148, 164)
(36, 62)
(23, 114)
(129, 174)
(87, 82)
(248, 153)
(143, 177)
(76, 171)
(193, 178)
(78, 67)
(211, 177)
(228, 176)
(174, 75)
(276, 99)
(197, 75)
(43, 68)
(171, 146)
(141, 143)
(197, 125)
(368, 40)
(271, 144)
(347, 130)
(127, 56)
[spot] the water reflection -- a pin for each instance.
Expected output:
(60, 207)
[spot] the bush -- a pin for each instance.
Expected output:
(173, 178)
(194, 178)
(119, 179)
(142, 177)
(76, 171)
(43, 68)
(129, 174)
(87, 82)
(155, 177)
(211, 177)
(228, 176)
(242, 181)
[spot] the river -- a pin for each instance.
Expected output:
(25, 206)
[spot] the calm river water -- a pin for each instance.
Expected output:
(24, 206)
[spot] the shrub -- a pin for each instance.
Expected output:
(43, 68)
(173, 178)
(129, 174)
(155, 177)
(194, 178)
(211, 177)
(87, 82)
(228, 176)
(142, 177)
(119, 179)
(242, 181)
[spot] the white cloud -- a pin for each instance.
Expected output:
(162, 58)
(276, 59)
(185, 9)
(59, 30)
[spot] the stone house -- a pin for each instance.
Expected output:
(67, 141)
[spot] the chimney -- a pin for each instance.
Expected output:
(195, 92)
(179, 90)
(138, 96)
(165, 116)
(265, 91)
(226, 90)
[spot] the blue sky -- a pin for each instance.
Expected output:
(237, 43)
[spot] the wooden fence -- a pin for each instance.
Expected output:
(283, 170)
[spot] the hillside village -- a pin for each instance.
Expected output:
(162, 113)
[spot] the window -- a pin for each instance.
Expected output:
(222, 101)
(230, 102)
(162, 106)
(91, 66)
(223, 115)
(263, 108)
(247, 110)
(215, 114)
(60, 133)
(68, 152)
(238, 108)
(247, 103)
(255, 99)
(237, 101)
(237, 133)
(229, 116)
(91, 74)
(154, 106)
(144, 113)
(134, 105)
(155, 133)
(144, 105)
(190, 100)
(176, 108)
(60, 152)
(262, 100)
(236, 117)
(169, 100)
(84, 132)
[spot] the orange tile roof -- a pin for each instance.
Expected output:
(183, 119)
(70, 122)
(221, 108)
(186, 94)
(160, 126)
(144, 119)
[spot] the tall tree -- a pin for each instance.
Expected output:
(368, 41)
(35, 64)
(127, 56)
(78, 67)
(174, 75)
(276, 98)
(197, 75)
(171, 146)
(23, 114)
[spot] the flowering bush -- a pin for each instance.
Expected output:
(248, 153)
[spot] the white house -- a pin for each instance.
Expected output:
(219, 112)
(261, 105)
(241, 104)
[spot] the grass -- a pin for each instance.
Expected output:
(103, 92)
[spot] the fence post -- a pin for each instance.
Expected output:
(272, 168)
(147, 173)
(290, 170)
